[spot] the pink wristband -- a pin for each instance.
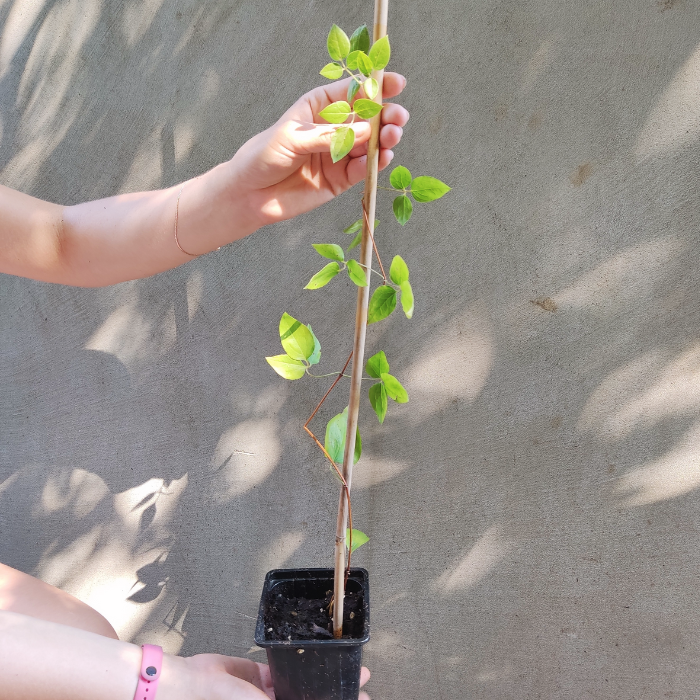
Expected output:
(151, 663)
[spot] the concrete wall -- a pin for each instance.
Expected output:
(534, 509)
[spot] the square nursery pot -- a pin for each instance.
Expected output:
(312, 665)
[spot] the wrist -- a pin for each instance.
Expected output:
(246, 202)
(177, 682)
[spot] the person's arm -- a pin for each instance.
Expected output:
(280, 173)
(42, 660)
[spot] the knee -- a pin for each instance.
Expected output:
(27, 595)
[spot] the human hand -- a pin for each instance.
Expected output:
(287, 169)
(225, 677)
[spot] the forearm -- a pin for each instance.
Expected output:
(124, 237)
(133, 236)
(45, 661)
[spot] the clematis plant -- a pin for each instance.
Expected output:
(364, 63)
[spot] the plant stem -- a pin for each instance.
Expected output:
(381, 8)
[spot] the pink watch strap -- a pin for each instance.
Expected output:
(151, 663)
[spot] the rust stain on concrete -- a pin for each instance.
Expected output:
(546, 303)
(583, 172)
(535, 121)
(664, 5)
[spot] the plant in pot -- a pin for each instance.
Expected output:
(314, 622)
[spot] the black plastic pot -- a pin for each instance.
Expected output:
(313, 669)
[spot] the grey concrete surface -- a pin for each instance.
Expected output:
(533, 511)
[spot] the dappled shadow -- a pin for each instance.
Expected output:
(533, 509)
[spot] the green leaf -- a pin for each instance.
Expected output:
(378, 399)
(353, 89)
(341, 143)
(354, 228)
(366, 109)
(382, 303)
(330, 251)
(358, 237)
(394, 388)
(371, 87)
(287, 367)
(316, 355)
(377, 365)
(356, 273)
(358, 539)
(380, 53)
(400, 178)
(297, 340)
(364, 63)
(407, 298)
(403, 209)
(355, 241)
(332, 71)
(351, 61)
(426, 189)
(360, 39)
(336, 113)
(338, 43)
(398, 270)
(335, 438)
(324, 276)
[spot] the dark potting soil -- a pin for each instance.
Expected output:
(294, 618)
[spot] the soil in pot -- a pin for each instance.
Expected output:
(295, 617)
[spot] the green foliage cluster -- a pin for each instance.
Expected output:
(353, 56)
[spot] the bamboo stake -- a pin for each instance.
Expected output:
(369, 202)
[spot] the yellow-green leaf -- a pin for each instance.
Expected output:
(286, 366)
(332, 71)
(407, 298)
(336, 113)
(330, 251)
(398, 270)
(335, 438)
(341, 143)
(394, 388)
(377, 365)
(338, 43)
(380, 53)
(426, 189)
(400, 178)
(402, 209)
(296, 338)
(354, 227)
(371, 87)
(351, 61)
(378, 399)
(324, 276)
(356, 273)
(366, 109)
(316, 355)
(364, 64)
(382, 303)
(358, 539)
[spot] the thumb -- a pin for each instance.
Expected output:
(304, 139)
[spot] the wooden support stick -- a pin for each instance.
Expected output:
(369, 203)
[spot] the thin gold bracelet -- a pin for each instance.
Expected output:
(177, 213)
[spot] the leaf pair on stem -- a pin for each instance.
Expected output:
(422, 188)
(383, 301)
(335, 252)
(301, 346)
(389, 387)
